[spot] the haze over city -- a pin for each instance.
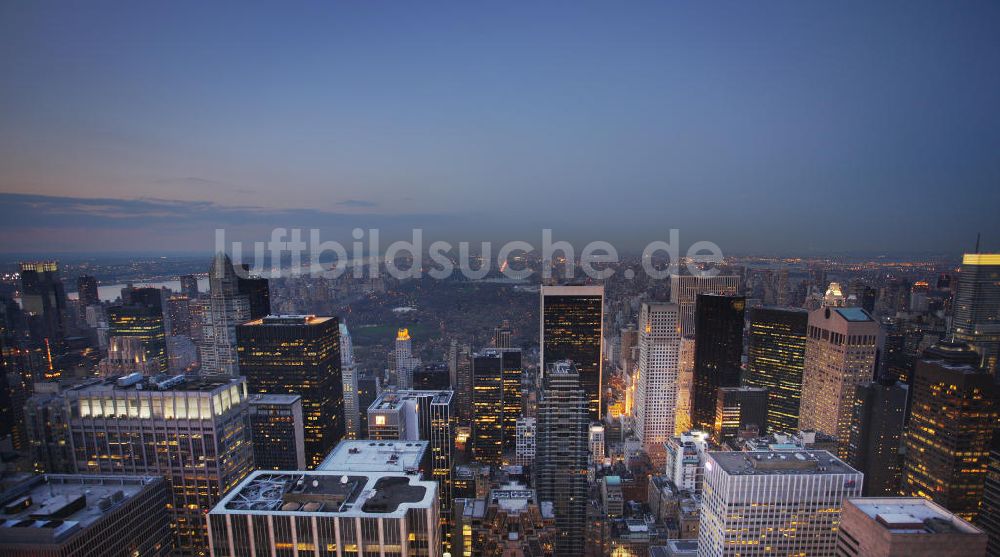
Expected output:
(773, 127)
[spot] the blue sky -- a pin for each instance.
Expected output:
(765, 127)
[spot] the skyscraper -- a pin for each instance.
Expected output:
(460, 372)
(179, 315)
(684, 291)
(737, 409)
(891, 526)
(775, 360)
(349, 373)
(43, 300)
(657, 382)
(277, 430)
(840, 354)
(876, 437)
(192, 432)
(718, 353)
(189, 286)
(84, 514)
(298, 354)
(989, 514)
(257, 291)
(142, 319)
(977, 306)
(773, 503)
(405, 362)
(345, 513)
(420, 415)
(947, 442)
(86, 288)
(571, 328)
(502, 335)
(561, 454)
(496, 404)
(685, 385)
(226, 309)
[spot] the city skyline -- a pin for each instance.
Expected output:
(129, 129)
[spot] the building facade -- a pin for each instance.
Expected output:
(718, 353)
(571, 328)
(911, 526)
(657, 382)
(775, 361)
(977, 306)
(278, 432)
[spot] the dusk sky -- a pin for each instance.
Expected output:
(800, 127)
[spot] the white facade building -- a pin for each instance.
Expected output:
(686, 456)
(656, 389)
(524, 452)
(773, 503)
(349, 376)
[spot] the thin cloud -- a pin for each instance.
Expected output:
(357, 203)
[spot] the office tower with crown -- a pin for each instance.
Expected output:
(571, 328)
(977, 306)
(404, 360)
(841, 347)
(226, 308)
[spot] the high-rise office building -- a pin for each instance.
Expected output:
(773, 503)
(189, 286)
(527, 433)
(561, 454)
(947, 443)
(775, 360)
(43, 301)
(684, 291)
(460, 372)
(226, 308)
(841, 347)
(657, 382)
(510, 521)
(911, 526)
(989, 514)
(426, 416)
(191, 431)
(876, 437)
(571, 328)
(257, 291)
(84, 514)
(977, 306)
(718, 353)
(298, 354)
(86, 288)
(739, 409)
(685, 385)
(337, 513)
(496, 402)
(349, 374)
(142, 319)
(278, 432)
(502, 335)
(405, 361)
(178, 313)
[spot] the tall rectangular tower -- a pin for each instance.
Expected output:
(840, 354)
(977, 306)
(298, 354)
(571, 328)
(775, 361)
(718, 353)
(657, 383)
(684, 290)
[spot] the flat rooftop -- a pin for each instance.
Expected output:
(48, 509)
(158, 383)
(363, 455)
(391, 400)
(293, 319)
(912, 515)
(763, 463)
(328, 492)
(282, 400)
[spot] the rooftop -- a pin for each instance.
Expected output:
(912, 515)
(283, 400)
(375, 456)
(47, 509)
(391, 400)
(288, 320)
(765, 463)
(328, 492)
(854, 314)
(163, 382)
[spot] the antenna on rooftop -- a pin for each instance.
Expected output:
(978, 235)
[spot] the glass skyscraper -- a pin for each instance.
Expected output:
(775, 359)
(572, 319)
(718, 352)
